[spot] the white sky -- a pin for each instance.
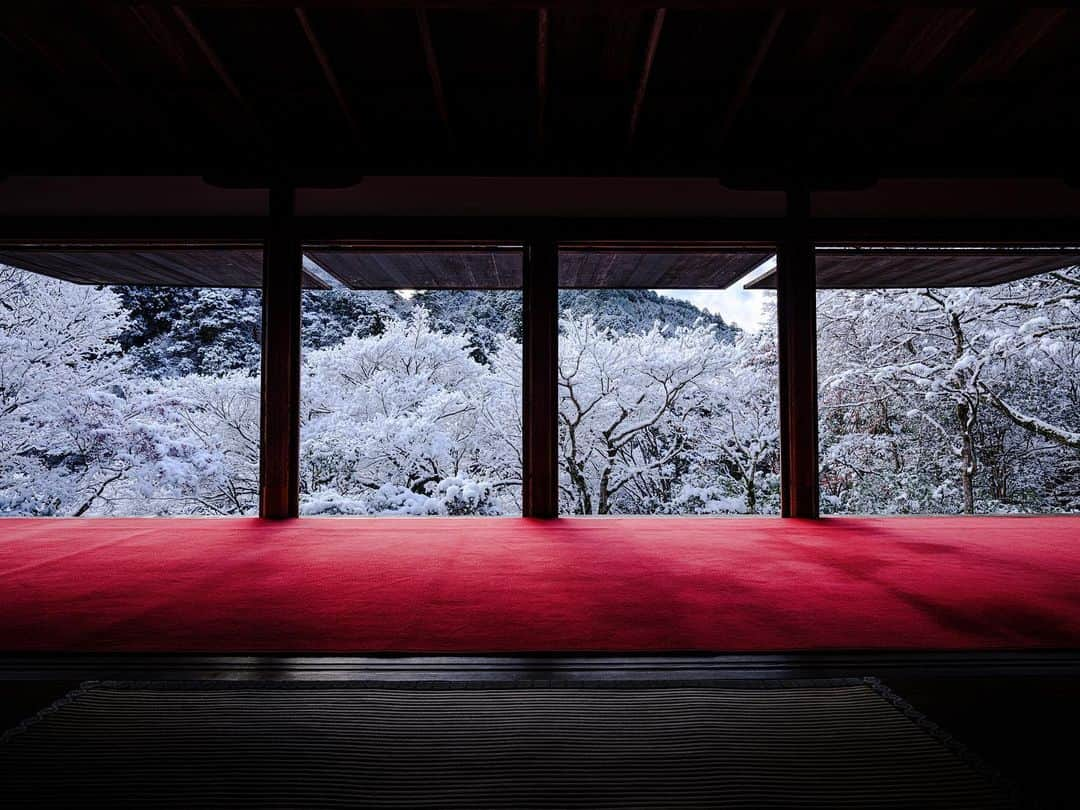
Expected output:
(736, 305)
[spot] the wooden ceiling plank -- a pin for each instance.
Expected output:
(1021, 39)
(661, 269)
(912, 113)
(328, 73)
(434, 74)
(542, 33)
(646, 71)
(1045, 93)
(841, 94)
(746, 81)
(41, 95)
(163, 122)
(211, 55)
(936, 269)
(143, 267)
(223, 74)
(164, 40)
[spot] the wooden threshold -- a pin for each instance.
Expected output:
(688, 666)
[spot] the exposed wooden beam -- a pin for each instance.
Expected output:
(540, 386)
(746, 81)
(211, 55)
(279, 459)
(39, 91)
(164, 41)
(842, 91)
(1022, 37)
(796, 315)
(433, 72)
(223, 74)
(163, 122)
(88, 32)
(1017, 40)
(328, 73)
(541, 76)
(831, 101)
(646, 71)
(941, 41)
(1046, 89)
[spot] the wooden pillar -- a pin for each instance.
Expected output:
(796, 315)
(540, 390)
(279, 464)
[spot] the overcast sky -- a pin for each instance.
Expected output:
(735, 305)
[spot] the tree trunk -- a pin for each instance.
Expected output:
(751, 495)
(965, 416)
(967, 458)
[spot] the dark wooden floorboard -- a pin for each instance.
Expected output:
(1017, 710)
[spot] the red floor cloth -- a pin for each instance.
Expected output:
(473, 585)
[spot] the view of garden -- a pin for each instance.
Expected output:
(139, 400)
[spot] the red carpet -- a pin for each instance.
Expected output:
(500, 585)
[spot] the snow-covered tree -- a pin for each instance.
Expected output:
(735, 438)
(948, 399)
(82, 433)
(389, 418)
(146, 401)
(624, 404)
(61, 426)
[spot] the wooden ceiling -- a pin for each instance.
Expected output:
(155, 267)
(426, 267)
(905, 267)
(386, 268)
(686, 269)
(743, 92)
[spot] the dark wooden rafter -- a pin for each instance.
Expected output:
(329, 74)
(147, 102)
(646, 71)
(1016, 40)
(42, 95)
(69, 106)
(223, 74)
(746, 81)
(941, 50)
(433, 72)
(1046, 90)
(832, 101)
(935, 40)
(542, 31)
(864, 89)
(153, 24)
(279, 479)
(1021, 38)
(796, 308)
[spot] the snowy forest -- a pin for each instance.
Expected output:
(145, 401)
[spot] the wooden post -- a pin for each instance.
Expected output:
(280, 417)
(796, 316)
(540, 390)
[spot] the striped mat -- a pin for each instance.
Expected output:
(835, 744)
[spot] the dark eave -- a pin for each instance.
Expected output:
(908, 267)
